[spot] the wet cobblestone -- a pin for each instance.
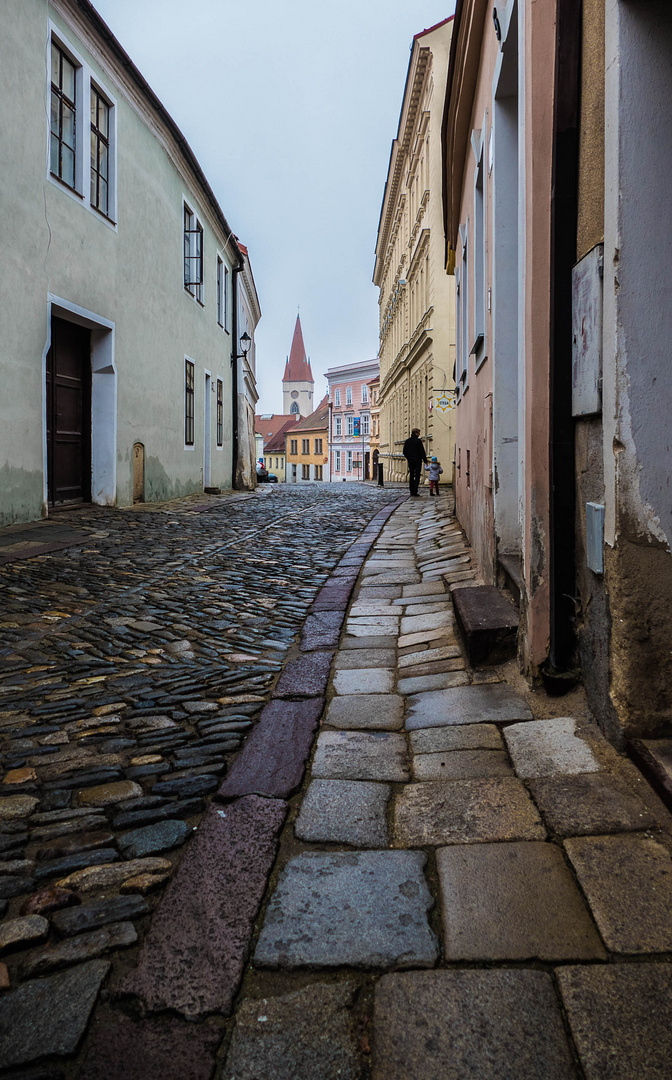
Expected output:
(132, 668)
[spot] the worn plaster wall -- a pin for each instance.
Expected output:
(590, 224)
(637, 398)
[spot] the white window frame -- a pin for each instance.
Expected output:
(188, 360)
(337, 461)
(348, 395)
(220, 292)
(337, 397)
(366, 424)
(198, 294)
(338, 426)
(348, 461)
(350, 422)
(84, 77)
(365, 394)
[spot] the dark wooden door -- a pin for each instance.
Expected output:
(69, 413)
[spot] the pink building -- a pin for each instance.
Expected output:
(350, 420)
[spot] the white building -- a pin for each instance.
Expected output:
(119, 280)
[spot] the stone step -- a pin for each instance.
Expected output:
(488, 624)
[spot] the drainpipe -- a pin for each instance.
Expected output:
(564, 209)
(234, 373)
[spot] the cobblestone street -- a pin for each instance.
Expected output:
(260, 819)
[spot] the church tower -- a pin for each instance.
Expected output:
(298, 382)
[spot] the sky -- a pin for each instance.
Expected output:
(291, 109)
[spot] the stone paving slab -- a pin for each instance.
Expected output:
(469, 1025)
(356, 909)
(359, 755)
(490, 704)
(167, 1049)
(344, 812)
(273, 759)
(423, 588)
(364, 681)
(627, 880)
(414, 624)
(460, 765)
(370, 641)
(439, 667)
(214, 898)
(469, 737)
(418, 684)
(394, 577)
(441, 635)
(305, 677)
(350, 658)
(429, 656)
(48, 1017)
(592, 803)
(465, 812)
(306, 1035)
(322, 630)
(621, 1019)
(380, 712)
(549, 748)
(513, 902)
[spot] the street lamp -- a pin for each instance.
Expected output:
(245, 343)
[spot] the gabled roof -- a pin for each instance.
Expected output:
(297, 368)
(271, 425)
(317, 421)
(277, 441)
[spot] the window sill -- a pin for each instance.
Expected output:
(102, 214)
(478, 345)
(480, 362)
(68, 187)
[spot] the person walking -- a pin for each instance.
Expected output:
(435, 471)
(414, 452)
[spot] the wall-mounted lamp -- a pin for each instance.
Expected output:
(245, 343)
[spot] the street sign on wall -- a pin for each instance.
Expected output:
(445, 401)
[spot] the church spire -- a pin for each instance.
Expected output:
(297, 368)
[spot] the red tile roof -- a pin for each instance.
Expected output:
(271, 425)
(318, 420)
(297, 368)
(276, 442)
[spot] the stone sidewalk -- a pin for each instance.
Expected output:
(463, 891)
(467, 883)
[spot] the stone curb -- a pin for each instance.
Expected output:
(193, 956)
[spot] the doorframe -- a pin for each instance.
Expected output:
(103, 400)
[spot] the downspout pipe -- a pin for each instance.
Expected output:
(234, 375)
(564, 213)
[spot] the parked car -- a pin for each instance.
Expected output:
(264, 476)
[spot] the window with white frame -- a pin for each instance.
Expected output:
(337, 397)
(338, 426)
(100, 151)
(63, 145)
(188, 403)
(83, 162)
(193, 254)
(220, 412)
(348, 395)
(348, 461)
(350, 420)
(478, 347)
(366, 424)
(365, 393)
(220, 292)
(337, 460)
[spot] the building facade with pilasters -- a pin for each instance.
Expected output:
(416, 303)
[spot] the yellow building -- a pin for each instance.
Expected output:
(417, 302)
(307, 447)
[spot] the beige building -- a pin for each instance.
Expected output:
(417, 302)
